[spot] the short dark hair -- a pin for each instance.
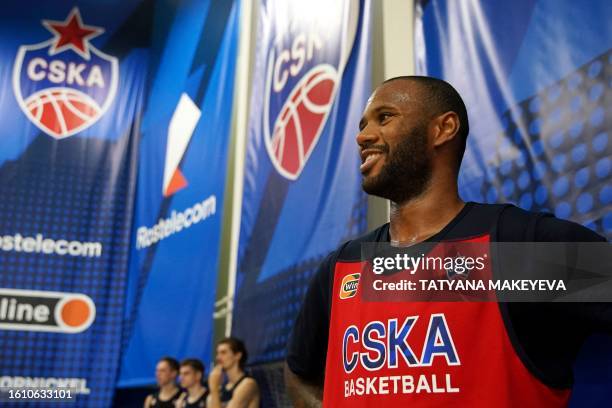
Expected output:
(441, 97)
(171, 361)
(194, 363)
(237, 346)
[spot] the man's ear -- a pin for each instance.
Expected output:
(446, 127)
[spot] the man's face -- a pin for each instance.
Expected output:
(164, 374)
(189, 376)
(396, 160)
(225, 357)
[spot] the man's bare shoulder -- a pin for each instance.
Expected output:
(245, 393)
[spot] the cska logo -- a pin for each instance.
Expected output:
(65, 84)
(308, 51)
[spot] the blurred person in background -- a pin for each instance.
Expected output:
(191, 374)
(240, 390)
(166, 371)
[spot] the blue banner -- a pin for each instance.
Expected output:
(182, 173)
(302, 187)
(71, 95)
(535, 79)
(535, 76)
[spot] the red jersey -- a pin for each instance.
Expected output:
(396, 353)
(423, 354)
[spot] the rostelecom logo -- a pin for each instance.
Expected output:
(182, 125)
(34, 310)
(349, 285)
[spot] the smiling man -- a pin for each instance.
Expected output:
(346, 351)
(399, 160)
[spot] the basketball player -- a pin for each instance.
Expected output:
(191, 375)
(240, 390)
(347, 352)
(166, 372)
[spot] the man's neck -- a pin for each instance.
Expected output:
(234, 373)
(424, 216)
(195, 392)
(168, 389)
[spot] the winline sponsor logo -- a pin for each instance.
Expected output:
(34, 310)
(349, 285)
(145, 237)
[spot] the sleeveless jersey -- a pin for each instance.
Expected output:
(389, 353)
(156, 402)
(199, 403)
(228, 393)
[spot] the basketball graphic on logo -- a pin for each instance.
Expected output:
(302, 117)
(61, 111)
(306, 58)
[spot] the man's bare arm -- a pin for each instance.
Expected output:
(302, 393)
(147, 402)
(244, 394)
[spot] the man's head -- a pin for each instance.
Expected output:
(166, 371)
(412, 127)
(231, 352)
(191, 372)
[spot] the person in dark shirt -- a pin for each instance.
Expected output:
(412, 137)
(240, 390)
(191, 375)
(166, 371)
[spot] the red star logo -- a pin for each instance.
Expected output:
(72, 34)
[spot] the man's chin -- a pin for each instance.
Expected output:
(373, 186)
(366, 185)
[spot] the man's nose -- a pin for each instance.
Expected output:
(366, 136)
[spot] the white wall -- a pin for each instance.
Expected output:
(392, 55)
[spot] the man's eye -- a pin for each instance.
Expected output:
(384, 116)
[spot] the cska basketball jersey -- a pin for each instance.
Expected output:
(425, 354)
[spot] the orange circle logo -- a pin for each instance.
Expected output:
(75, 312)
